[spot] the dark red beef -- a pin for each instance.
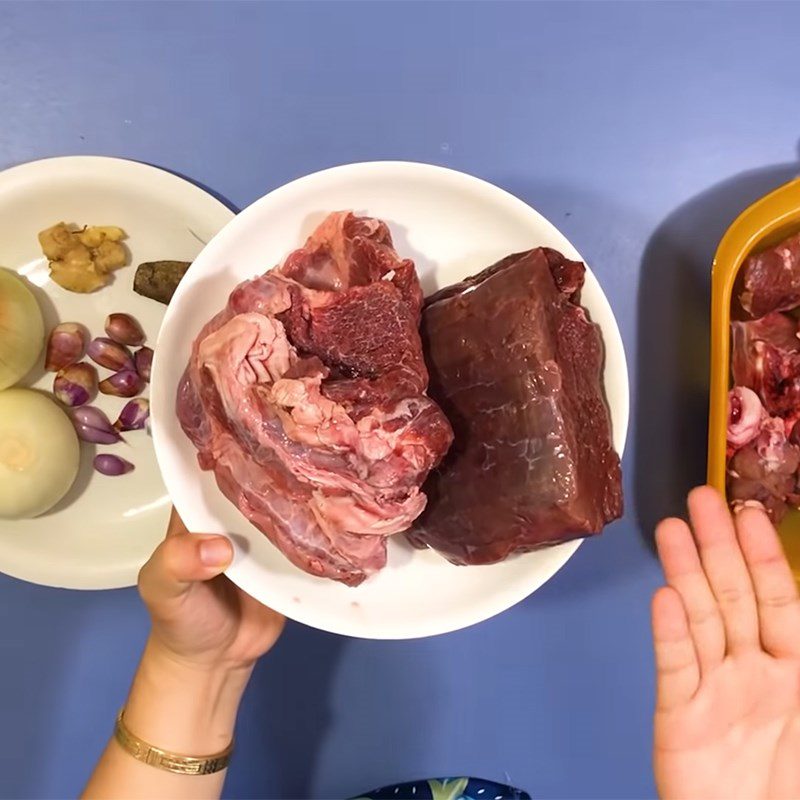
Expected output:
(772, 279)
(517, 368)
(765, 357)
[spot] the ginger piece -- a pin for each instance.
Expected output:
(95, 235)
(109, 256)
(56, 241)
(80, 260)
(77, 276)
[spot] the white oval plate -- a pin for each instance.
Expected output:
(101, 533)
(452, 225)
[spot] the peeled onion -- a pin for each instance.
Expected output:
(21, 329)
(39, 453)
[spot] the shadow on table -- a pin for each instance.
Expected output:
(673, 342)
(285, 716)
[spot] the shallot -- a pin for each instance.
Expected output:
(110, 354)
(65, 346)
(108, 464)
(94, 426)
(143, 359)
(76, 384)
(134, 416)
(124, 329)
(125, 383)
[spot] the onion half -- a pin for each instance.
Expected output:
(39, 453)
(21, 329)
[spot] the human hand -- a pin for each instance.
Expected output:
(199, 617)
(206, 636)
(727, 644)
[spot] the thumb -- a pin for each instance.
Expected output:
(181, 560)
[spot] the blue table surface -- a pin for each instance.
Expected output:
(639, 129)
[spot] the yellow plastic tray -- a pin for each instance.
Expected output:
(770, 219)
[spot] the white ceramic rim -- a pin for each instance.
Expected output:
(215, 251)
(159, 179)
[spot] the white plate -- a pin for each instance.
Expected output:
(105, 528)
(452, 225)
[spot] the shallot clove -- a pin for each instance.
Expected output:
(92, 425)
(108, 464)
(134, 416)
(124, 329)
(143, 358)
(125, 383)
(76, 384)
(65, 346)
(110, 354)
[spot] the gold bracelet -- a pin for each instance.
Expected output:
(163, 759)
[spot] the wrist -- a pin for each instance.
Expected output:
(184, 707)
(160, 656)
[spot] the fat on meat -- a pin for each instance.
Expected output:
(762, 458)
(306, 396)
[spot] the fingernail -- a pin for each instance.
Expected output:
(215, 552)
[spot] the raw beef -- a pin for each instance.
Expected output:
(516, 366)
(306, 397)
(763, 461)
(765, 357)
(772, 279)
(764, 404)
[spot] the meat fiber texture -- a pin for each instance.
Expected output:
(517, 367)
(772, 279)
(306, 397)
(762, 459)
(764, 405)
